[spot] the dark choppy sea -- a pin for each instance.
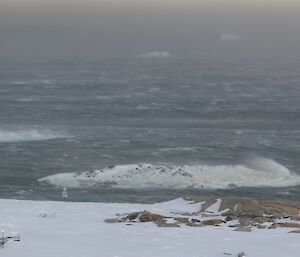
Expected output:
(172, 128)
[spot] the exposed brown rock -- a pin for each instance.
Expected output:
(280, 208)
(296, 218)
(144, 216)
(248, 207)
(212, 222)
(295, 231)
(182, 220)
(148, 217)
(207, 203)
(263, 219)
(244, 221)
(254, 208)
(261, 226)
(249, 212)
(112, 220)
(288, 225)
(133, 216)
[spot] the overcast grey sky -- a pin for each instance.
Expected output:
(127, 28)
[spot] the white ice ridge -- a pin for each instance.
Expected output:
(27, 135)
(266, 173)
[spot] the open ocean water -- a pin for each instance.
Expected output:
(150, 129)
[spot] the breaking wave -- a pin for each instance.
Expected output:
(265, 172)
(27, 135)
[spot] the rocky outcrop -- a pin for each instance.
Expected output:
(242, 214)
(250, 207)
(148, 216)
(144, 216)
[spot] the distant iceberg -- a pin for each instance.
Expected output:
(155, 55)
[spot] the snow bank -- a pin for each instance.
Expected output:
(49, 229)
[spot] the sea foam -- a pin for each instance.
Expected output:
(27, 135)
(266, 173)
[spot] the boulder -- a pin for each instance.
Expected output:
(213, 222)
(261, 226)
(112, 220)
(182, 220)
(148, 217)
(295, 231)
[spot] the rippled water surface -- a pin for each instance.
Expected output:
(235, 124)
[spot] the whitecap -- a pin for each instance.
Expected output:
(28, 135)
(18, 83)
(45, 81)
(155, 54)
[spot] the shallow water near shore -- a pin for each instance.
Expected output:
(72, 117)
(150, 195)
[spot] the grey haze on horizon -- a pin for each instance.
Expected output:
(30, 29)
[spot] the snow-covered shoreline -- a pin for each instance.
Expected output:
(57, 229)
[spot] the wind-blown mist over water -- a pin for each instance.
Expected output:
(162, 128)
